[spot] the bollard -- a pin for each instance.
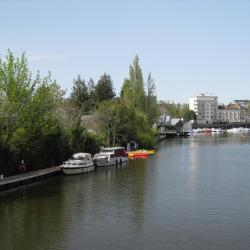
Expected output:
(1, 176)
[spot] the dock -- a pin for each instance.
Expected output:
(29, 177)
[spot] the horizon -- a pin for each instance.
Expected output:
(188, 48)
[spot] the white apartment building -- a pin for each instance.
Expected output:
(206, 108)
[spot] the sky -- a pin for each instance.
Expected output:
(189, 46)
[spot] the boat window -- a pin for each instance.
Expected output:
(82, 158)
(106, 151)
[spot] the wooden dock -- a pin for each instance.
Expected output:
(29, 177)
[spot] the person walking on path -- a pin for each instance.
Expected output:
(22, 167)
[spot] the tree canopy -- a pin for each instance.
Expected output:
(104, 89)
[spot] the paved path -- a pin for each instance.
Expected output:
(20, 179)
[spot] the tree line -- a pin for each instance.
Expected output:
(177, 110)
(39, 124)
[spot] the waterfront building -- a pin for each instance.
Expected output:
(205, 107)
(233, 112)
(243, 102)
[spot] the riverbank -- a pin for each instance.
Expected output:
(29, 177)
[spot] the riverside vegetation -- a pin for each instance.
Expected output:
(39, 124)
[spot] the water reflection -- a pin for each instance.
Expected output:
(28, 221)
(193, 194)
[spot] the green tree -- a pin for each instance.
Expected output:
(151, 109)
(141, 105)
(137, 85)
(16, 88)
(45, 138)
(187, 114)
(104, 89)
(91, 93)
(79, 94)
(169, 109)
(30, 126)
(106, 121)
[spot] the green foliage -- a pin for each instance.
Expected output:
(151, 108)
(137, 85)
(30, 128)
(120, 124)
(104, 89)
(144, 134)
(169, 108)
(39, 125)
(91, 94)
(16, 89)
(80, 140)
(79, 95)
(115, 122)
(143, 106)
(186, 113)
(177, 111)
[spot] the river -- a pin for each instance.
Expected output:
(193, 194)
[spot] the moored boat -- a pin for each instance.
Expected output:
(79, 163)
(139, 153)
(110, 156)
(151, 151)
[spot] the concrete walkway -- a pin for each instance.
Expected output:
(20, 179)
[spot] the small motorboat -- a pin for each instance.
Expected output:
(110, 156)
(79, 163)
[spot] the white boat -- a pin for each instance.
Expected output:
(78, 164)
(110, 156)
(198, 130)
(236, 130)
(216, 130)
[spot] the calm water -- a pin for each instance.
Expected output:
(193, 194)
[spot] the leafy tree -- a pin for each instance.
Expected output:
(30, 126)
(79, 94)
(106, 118)
(151, 101)
(45, 138)
(141, 106)
(104, 89)
(177, 111)
(120, 123)
(91, 93)
(16, 88)
(137, 85)
(169, 109)
(187, 114)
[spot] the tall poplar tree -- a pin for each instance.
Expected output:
(137, 85)
(152, 110)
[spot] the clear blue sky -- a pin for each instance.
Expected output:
(189, 46)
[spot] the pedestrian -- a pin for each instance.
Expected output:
(22, 167)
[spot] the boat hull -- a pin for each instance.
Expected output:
(111, 162)
(140, 153)
(77, 170)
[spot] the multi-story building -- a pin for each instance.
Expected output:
(234, 112)
(206, 108)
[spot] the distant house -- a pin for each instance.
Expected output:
(90, 123)
(168, 125)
